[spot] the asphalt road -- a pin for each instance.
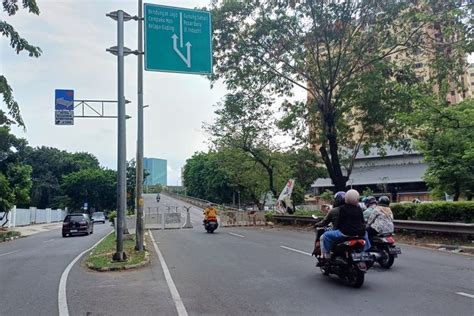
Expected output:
(236, 271)
(30, 270)
(245, 271)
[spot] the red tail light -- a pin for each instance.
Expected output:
(389, 240)
(352, 243)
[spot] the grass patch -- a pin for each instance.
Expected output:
(7, 234)
(100, 258)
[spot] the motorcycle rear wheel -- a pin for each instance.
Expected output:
(386, 261)
(355, 277)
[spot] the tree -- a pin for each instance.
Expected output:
(15, 176)
(244, 122)
(447, 143)
(49, 166)
(97, 187)
(339, 52)
(19, 44)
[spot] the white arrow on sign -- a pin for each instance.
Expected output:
(187, 59)
(63, 102)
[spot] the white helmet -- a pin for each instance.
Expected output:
(352, 197)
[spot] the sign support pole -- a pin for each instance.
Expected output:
(121, 142)
(139, 171)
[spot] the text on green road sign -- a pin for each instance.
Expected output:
(177, 40)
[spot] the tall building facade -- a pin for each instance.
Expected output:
(157, 170)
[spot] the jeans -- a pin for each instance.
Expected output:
(328, 238)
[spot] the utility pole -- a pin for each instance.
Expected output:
(120, 51)
(139, 171)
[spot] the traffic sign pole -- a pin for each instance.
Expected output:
(121, 141)
(139, 164)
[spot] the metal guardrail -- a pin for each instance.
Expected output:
(440, 227)
(199, 202)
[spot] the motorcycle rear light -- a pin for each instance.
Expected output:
(352, 243)
(389, 240)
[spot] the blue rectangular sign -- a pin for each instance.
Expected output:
(64, 100)
(64, 107)
(177, 40)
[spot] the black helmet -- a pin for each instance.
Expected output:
(370, 200)
(339, 198)
(384, 200)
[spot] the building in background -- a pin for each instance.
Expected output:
(398, 174)
(157, 171)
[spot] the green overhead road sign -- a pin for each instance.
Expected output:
(177, 40)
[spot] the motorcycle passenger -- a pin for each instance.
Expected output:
(371, 204)
(209, 213)
(331, 217)
(350, 223)
(380, 220)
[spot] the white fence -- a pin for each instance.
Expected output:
(23, 217)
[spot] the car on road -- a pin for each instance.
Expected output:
(158, 198)
(98, 217)
(77, 223)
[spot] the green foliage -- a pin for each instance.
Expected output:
(157, 188)
(447, 143)
(405, 211)
(436, 211)
(101, 256)
(367, 192)
(18, 44)
(97, 187)
(341, 53)
(446, 212)
(49, 166)
(112, 216)
(327, 196)
(7, 197)
(19, 176)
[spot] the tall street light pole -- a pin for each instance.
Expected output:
(139, 171)
(120, 51)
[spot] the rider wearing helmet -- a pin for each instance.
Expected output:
(331, 217)
(371, 204)
(380, 220)
(209, 213)
(350, 223)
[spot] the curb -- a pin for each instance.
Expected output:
(125, 267)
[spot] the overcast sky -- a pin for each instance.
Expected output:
(73, 36)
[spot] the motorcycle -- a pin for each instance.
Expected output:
(211, 225)
(383, 250)
(348, 259)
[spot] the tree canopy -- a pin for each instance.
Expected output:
(352, 57)
(19, 44)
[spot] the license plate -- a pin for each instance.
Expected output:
(361, 256)
(73, 230)
(395, 251)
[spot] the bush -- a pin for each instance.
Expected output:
(269, 216)
(404, 211)
(112, 215)
(436, 212)
(446, 212)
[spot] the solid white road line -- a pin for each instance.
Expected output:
(49, 240)
(174, 291)
(62, 298)
(465, 294)
(296, 250)
(237, 235)
(9, 253)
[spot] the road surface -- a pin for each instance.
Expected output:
(245, 271)
(31, 268)
(235, 271)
